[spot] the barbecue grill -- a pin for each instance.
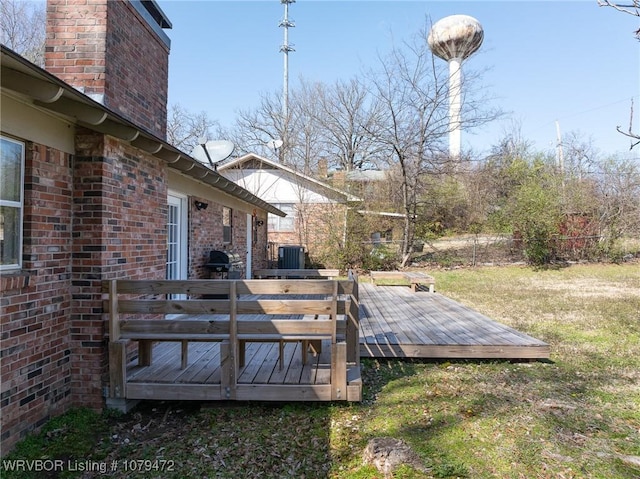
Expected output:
(223, 262)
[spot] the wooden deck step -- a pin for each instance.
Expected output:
(415, 279)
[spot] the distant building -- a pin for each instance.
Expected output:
(316, 211)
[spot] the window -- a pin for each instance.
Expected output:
(11, 190)
(276, 223)
(227, 225)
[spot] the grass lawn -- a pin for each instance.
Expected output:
(577, 416)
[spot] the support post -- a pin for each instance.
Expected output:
(118, 369)
(145, 352)
(229, 349)
(184, 354)
(114, 319)
(353, 323)
(339, 371)
(227, 371)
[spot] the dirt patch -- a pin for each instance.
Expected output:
(586, 288)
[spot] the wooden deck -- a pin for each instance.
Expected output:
(197, 353)
(265, 340)
(202, 377)
(396, 322)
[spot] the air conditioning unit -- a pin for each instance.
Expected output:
(291, 257)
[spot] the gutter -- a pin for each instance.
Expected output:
(48, 92)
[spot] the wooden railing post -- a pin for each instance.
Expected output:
(339, 371)
(114, 320)
(338, 354)
(145, 352)
(229, 349)
(117, 348)
(118, 369)
(334, 310)
(353, 322)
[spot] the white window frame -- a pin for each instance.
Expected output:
(19, 205)
(180, 260)
(286, 224)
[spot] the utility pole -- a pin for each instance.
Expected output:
(559, 153)
(286, 48)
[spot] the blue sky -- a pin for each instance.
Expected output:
(571, 61)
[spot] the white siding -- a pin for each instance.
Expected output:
(275, 186)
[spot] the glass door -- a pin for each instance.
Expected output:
(176, 237)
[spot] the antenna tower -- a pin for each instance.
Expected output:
(286, 48)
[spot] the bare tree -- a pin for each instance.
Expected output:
(413, 91)
(346, 112)
(23, 28)
(579, 156)
(631, 7)
(619, 193)
(324, 123)
(255, 130)
(185, 130)
(305, 134)
(296, 142)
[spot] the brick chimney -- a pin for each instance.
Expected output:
(323, 169)
(114, 51)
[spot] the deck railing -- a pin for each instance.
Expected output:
(296, 273)
(234, 312)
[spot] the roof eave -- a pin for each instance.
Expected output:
(48, 92)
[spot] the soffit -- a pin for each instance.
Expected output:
(48, 92)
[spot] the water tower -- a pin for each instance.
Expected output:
(454, 39)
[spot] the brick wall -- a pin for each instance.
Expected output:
(36, 302)
(137, 75)
(205, 234)
(119, 231)
(108, 51)
(96, 216)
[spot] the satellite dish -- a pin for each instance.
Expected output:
(274, 144)
(213, 152)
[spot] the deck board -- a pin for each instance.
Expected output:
(256, 355)
(396, 322)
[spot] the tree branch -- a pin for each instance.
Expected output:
(630, 133)
(632, 8)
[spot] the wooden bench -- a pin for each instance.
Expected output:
(316, 345)
(318, 324)
(236, 320)
(415, 279)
